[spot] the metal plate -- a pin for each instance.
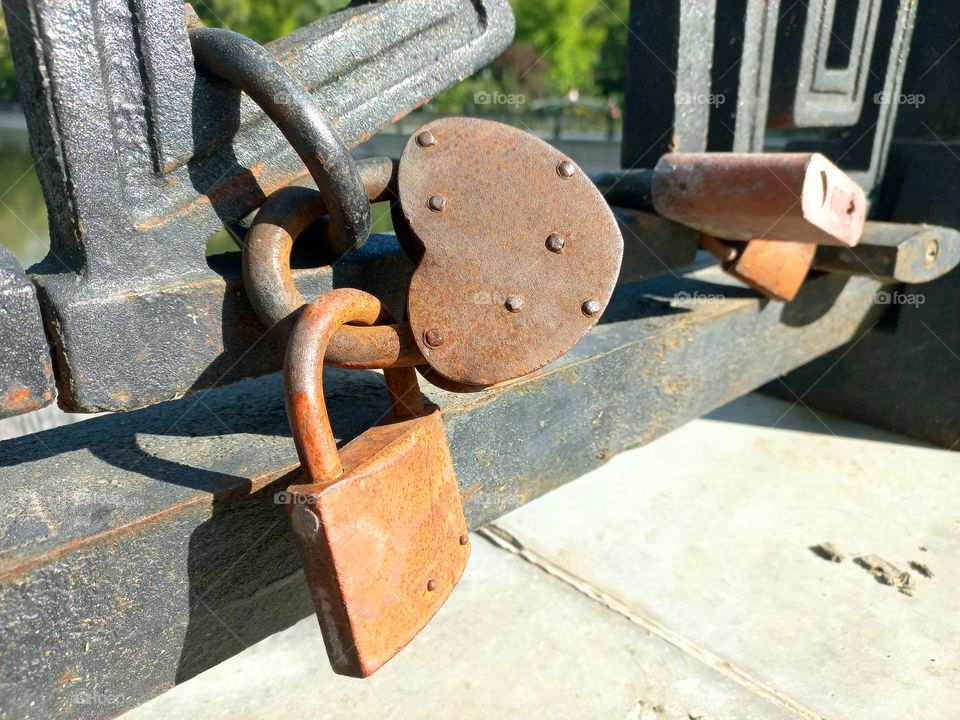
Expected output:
(495, 300)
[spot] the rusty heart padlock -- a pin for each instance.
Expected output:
(517, 252)
(379, 525)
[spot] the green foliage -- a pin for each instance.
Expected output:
(9, 89)
(263, 20)
(608, 74)
(566, 42)
(560, 45)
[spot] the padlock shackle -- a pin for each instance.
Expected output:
(303, 377)
(275, 297)
(254, 70)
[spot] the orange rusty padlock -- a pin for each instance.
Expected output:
(380, 525)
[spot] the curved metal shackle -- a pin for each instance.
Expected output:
(303, 378)
(276, 299)
(249, 66)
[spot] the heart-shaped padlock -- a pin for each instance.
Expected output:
(518, 251)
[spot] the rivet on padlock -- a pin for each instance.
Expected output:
(379, 526)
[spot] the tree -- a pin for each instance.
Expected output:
(560, 45)
(261, 20)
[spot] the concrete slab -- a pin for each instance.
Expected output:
(704, 537)
(511, 642)
(677, 582)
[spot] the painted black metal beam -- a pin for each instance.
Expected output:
(139, 549)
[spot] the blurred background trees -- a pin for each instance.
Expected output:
(563, 48)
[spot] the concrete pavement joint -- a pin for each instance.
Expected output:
(505, 540)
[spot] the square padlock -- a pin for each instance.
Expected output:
(384, 543)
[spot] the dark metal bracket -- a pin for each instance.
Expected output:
(141, 160)
(742, 75)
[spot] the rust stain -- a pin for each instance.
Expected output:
(67, 678)
(21, 401)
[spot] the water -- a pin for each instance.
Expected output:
(23, 214)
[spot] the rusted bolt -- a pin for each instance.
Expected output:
(426, 139)
(431, 584)
(437, 203)
(555, 243)
(590, 308)
(565, 169)
(514, 303)
(464, 539)
(931, 252)
(433, 337)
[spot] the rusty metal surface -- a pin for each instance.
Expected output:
(275, 297)
(774, 268)
(895, 252)
(227, 342)
(380, 527)
(251, 68)
(26, 366)
(798, 197)
(384, 544)
(518, 252)
(141, 159)
(119, 525)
